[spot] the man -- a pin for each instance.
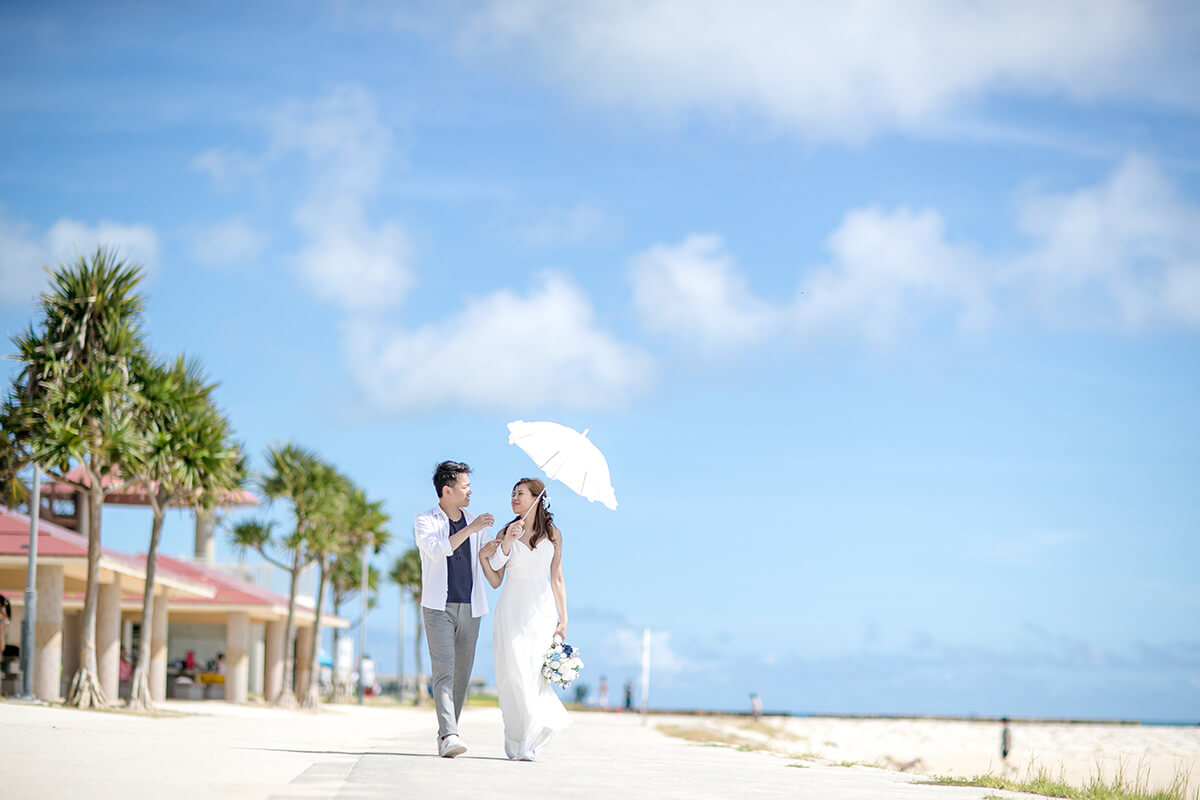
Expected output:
(452, 595)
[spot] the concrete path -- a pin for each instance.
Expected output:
(218, 750)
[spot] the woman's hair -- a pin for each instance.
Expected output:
(543, 518)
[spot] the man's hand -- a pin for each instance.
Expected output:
(481, 522)
(486, 551)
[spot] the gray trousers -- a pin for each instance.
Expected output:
(451, 635)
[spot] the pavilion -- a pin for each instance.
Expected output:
(195, 603)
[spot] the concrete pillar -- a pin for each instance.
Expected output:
(304, 637)
(206, 548)
(48, 633)
(256, 658)
(72, 631)
(237, 656)
(158, 648)
(108, 637)
(273, 660)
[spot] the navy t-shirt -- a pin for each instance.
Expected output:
(458, 567)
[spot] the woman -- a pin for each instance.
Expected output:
(531, 611)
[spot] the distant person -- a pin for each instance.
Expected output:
(602, 699)
(453, 597)
(1005, 743)
(125, 672)
(369, 676)
(629, 695)
(755, 706)
(220, 667)
(5, 620)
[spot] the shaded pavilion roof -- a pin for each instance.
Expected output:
(62, 546)
(133, 495)
(234, 594)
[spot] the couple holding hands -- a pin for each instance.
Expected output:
(456, 559)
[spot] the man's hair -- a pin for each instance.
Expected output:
(446, 474)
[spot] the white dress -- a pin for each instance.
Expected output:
(522, 631)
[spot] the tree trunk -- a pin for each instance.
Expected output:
(338, 690)
(287, 697)
(420, 694)
(139, 695)
(86, 691)
(312, 692)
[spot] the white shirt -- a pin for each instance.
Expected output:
(432, 533)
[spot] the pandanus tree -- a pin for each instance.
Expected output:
(76, 400)
(350, 523)
(345, 581)
(191, 459)
(297, 476)
(406, 573)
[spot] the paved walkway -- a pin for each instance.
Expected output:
(218, 750)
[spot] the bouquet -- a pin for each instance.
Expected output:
(562, 663)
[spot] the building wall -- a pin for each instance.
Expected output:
(203, 640)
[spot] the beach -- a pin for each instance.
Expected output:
(212, 749)
(965, 748)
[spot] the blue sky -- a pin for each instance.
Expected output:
(886, 317)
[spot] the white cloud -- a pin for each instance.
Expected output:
(695, 291)
(502, 350)
(624, 647)
(24, 253)
(1124, 253)
(229, 243)
(225, 167)
(847, 69)
(890, 273)
(347, 260)
(582, 223)
(1026, 547)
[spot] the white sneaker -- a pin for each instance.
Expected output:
(451, 746)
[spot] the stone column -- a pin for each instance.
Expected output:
(72, 630)
(237, 656)
(304, 638)
(206, 549)
(256, 658)
(47, 633)
(273, 668)
(158, 647)
(108, 637)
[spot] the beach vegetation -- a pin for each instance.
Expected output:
(345, 581)
(345, 522)
(1041, 780)
(191, 459)
(406, 574)
(77, 401)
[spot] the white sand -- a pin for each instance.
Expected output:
(968, 748)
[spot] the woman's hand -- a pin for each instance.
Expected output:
(514, 532)
(561, 630)
(486, 551)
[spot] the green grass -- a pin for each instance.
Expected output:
(1039, 780)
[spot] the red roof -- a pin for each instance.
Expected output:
(230, 590)
(53, 540)
(135, 495)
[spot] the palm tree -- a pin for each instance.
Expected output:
(354, 523)
(76, 400)
(406, 573)
(345, 580)
(191, 459)
(297, 475)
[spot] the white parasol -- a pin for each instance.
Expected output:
(567, 456)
